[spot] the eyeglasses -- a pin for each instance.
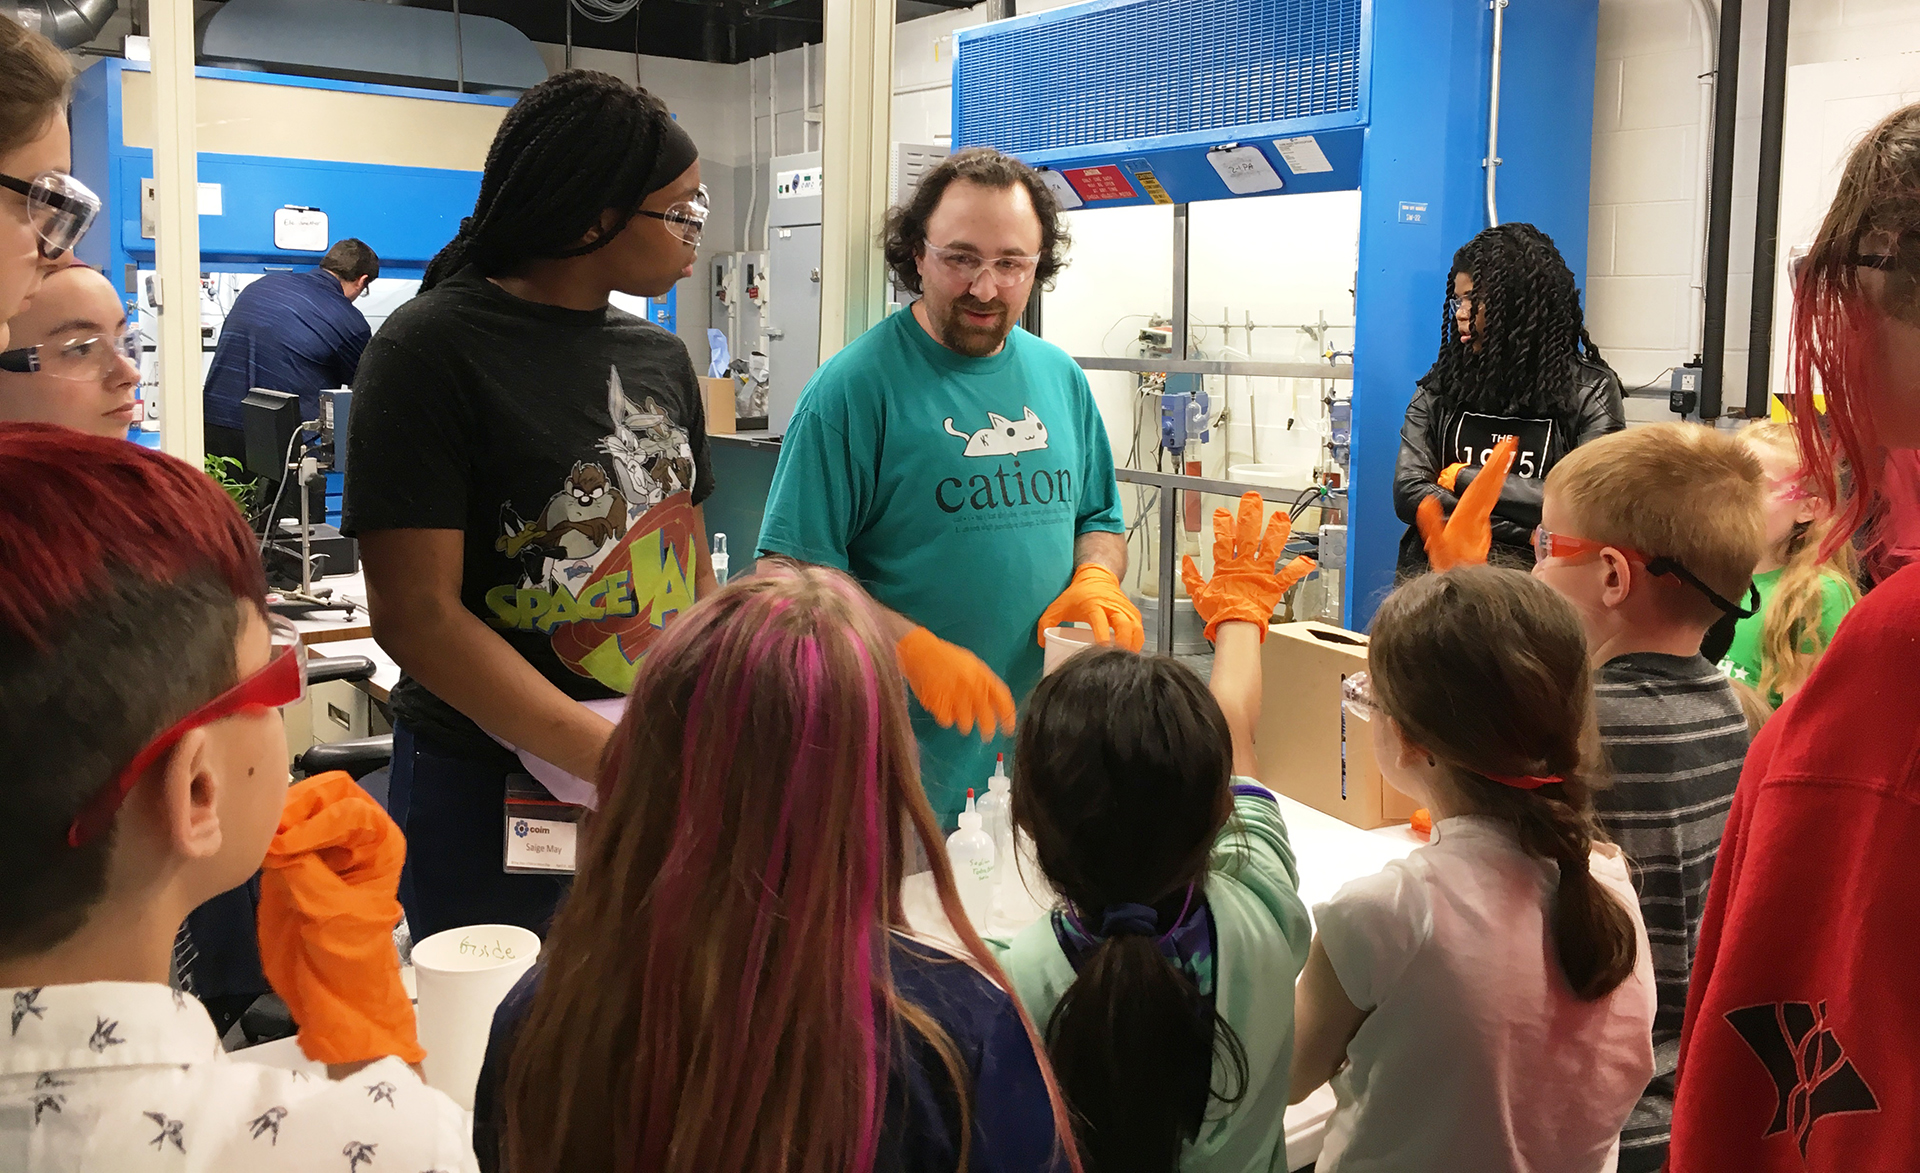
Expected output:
(1456, 302)
(1551, 545)
(281, 683)
(1356, 696)
(1880, 261)
(60, 208)
(687, 220)
(965, 265)
(86, 358)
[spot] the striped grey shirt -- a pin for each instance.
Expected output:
(1675, 739)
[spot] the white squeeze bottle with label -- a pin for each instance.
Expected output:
(970, 851)
(996, 818)
(720, 559)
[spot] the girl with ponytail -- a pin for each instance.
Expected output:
(528, 466)
(1488, 1002)
(1162, 982)
(732, 985)
(1805, 589)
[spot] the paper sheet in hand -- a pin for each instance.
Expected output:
(564, 786)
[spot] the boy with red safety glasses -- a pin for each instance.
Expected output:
(145, 771)
(1653, 535)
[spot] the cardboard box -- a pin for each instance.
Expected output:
(1309, 748)
(719, 396)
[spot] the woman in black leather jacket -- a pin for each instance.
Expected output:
(1514, 359)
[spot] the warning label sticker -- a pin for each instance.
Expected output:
(1100, 183)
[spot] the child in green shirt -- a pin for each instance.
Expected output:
(1802, 598)
(1164, 985)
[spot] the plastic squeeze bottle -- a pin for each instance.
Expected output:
(720, 559)
(970, 850)
(996, 818)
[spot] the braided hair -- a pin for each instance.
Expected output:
(572, 147)
(1534, 330)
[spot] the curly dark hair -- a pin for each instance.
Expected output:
(906, 228)
(1534, 334)
(573, 146)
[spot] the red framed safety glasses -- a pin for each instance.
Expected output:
(282, 682)
(1551, 545)
(1547, 544)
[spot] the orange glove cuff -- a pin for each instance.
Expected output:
(328, 907)
(1448, 476)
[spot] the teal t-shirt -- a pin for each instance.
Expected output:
(1745, 658)
(952, 488)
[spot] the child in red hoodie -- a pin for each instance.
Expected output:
(1803, 1015)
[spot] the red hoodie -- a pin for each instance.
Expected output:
(1801, 1047)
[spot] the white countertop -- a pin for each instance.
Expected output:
(1329, 853)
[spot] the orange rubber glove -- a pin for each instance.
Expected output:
(955, 685)
(1467, 536)
(1423, 823)
(328, 905)
(1244, 585)
(1094, 597)
(1448, 476)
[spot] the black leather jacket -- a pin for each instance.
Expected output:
(1439, 433)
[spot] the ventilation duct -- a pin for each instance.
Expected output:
(67, 23)
(382, 43)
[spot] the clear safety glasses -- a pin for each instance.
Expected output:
(281, 683)
(687, 220)
(60, 208)
(84, 358)
(965, 265)
(1356, 697)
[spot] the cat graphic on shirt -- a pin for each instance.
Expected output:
(1002, 436)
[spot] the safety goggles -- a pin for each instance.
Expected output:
(1356, 697)
(85, 358)
(965, 265)
(60, 208)
(687, 220)
(1551, 545)
(281, 683)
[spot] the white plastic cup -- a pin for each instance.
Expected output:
(1063, 644)
(462, 974)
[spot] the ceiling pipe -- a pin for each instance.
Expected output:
(1713, 341)
(1696, 255)
(1766, 216)
(67, 23)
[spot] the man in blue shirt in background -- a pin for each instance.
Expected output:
(291, 332)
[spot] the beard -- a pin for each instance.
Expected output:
(959, 334)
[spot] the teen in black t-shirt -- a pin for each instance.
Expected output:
(526, 470)
(1515, 360)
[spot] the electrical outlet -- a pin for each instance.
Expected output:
(1684, 396)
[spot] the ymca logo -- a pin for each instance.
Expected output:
(1810, 1068)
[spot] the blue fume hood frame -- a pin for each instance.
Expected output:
(1409, 133)
(405, 214)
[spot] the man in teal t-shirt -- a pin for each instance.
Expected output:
(958, 467)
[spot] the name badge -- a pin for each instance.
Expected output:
(541, 831)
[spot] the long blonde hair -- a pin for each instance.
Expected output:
(1791, 638)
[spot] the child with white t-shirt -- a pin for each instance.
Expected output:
(1488, 1002)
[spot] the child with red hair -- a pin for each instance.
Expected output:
(140, 682)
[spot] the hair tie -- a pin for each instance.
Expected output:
(1523, 781)
(1128, 920)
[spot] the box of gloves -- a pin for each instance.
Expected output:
(1311, 749)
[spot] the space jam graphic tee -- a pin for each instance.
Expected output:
(953, 489)
(571, 448)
